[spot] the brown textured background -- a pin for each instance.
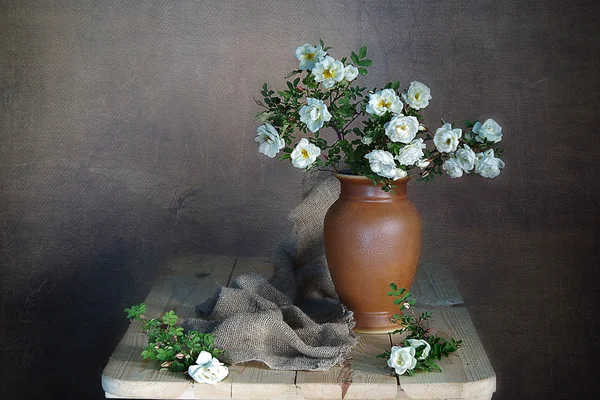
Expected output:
(126, 138)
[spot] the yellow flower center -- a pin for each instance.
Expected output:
(328, 74)
(417, 96)
(384, 103)
(310, 56)
(304, 153)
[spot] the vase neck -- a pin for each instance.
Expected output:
(360, 187)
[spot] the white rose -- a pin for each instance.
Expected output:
(400, 173)
(382, 163)
(423, 163)
(452, 167)
(328, 72)
(412, 153)
(417, 96)
(350, 72)
(489, 130)
(208, 369)
(367, 140)
(466, 158)
(383, 101)
(487, 165)
(309, 55)
(402, 129)
(314, 114)
(416, 343)
(402, 359)
(446, 138)
(304, 154)
(269, 141)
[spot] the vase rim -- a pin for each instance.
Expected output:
(362, 177)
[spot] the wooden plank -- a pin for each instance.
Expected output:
(465, 375)
(186, 282)
(253, 265)
(254, 379)
(190, 280)
(434, 286)
(363, 376)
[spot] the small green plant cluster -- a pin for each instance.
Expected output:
(412, 323)
(174, 348)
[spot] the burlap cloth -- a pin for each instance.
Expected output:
(293, 320)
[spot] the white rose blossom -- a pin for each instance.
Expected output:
(402, 359)
(400, 173)
(466, 158)
(350, 72)
(328, 72)
(309, 55)
(208, 369)
(411, 153)
(402, 129)
(416, 343)
(383, 164)
(452, 167)
(489, 130)
(487, 165)
(446, 138)
(383, 101)
(417, 96)
(423, 163)
(304, 154)
(314, 114)
(269, 140)
(367, 140)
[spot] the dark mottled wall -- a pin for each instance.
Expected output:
(126, 138)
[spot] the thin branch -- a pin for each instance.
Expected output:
(351, 121)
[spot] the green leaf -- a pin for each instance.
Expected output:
(365, 62)
(363, 52)
(469, 124)
(354, 58)
(362, 71)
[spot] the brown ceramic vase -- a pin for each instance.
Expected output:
(372, 238)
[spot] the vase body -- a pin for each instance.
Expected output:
(372, 238)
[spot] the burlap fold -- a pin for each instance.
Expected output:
(293, 320)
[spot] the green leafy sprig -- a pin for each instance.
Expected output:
(413, 324)
(169, 344)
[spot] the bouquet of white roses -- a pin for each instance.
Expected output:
(392, 143)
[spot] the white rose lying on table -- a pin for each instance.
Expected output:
(208, 369)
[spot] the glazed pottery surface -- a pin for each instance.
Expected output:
(372, 238)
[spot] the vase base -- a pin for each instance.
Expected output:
(374, 323)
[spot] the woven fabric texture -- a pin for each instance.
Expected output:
(292, 321)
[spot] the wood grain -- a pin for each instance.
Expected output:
(363, 376)
(188, 281)
(465, 375)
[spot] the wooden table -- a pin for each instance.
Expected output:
(190, 280)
